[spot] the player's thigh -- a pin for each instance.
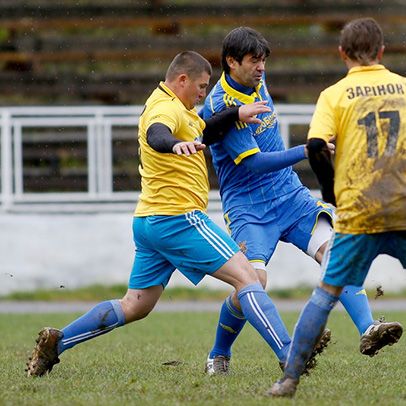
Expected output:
(195, 245)
(255, 229)
(237, 271)
(150, 267)
(348, 259)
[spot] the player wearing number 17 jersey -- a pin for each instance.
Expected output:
(366, 112)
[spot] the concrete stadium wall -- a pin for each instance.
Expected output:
(50, 250)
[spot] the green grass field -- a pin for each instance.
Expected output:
(126, 367)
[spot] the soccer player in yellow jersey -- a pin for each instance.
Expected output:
(171, 229)
(366, 112)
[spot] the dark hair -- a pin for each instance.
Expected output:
(189, 62)
(243, 41)
(361, 40)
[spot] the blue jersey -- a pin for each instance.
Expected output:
(238, 185)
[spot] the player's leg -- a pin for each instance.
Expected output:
(382, 333)
(101, 319)
(313, 319)
(150, 273)
(308, 329)
(353, 298)
(255, 233)
(231, 322)
(340, 269)
(256, 305)
(209, 249)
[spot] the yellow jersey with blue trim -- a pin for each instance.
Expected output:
(366, 112)
(171, 184)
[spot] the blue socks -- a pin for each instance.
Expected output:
(260, 311)
(355, 301)
(230, 324)
(103, 318)
(309, 327)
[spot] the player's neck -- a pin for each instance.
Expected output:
(352, 64)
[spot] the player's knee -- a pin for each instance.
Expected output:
(320, 252)
(261, 275)
(134, 307)
(333, 290)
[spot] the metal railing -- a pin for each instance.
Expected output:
(98, 125)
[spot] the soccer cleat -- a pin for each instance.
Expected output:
(219, 365)
(285, 387)
(378, 335)
(45, 354)
(318, 349)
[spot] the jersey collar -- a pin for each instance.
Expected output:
(375, 68)
(166, 90)
(239, 95)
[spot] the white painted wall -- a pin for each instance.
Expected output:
(46, 250)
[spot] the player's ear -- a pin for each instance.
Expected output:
(182, 79)
(342, 53)
(230, 61)
(380, 53)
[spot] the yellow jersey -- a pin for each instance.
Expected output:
(171, 184)
(366, 112)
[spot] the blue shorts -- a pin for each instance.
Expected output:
(190, 242)
(349, 256)
(257, 228)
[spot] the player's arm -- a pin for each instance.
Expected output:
(218, 125)
(320, 159)
(161, 139)
(263, 162)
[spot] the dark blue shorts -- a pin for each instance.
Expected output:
(291, 218)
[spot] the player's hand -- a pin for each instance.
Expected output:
(188, 147)
(331, 148)
(247, 112)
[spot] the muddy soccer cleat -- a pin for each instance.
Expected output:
(378, 335)
(219, 365)
(45, 353)
(285, 387)
(323, 342)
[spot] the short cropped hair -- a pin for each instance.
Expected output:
(361, 40)
(243, 41)
(190, 63)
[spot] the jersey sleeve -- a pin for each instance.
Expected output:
(323, 123)
(165, 113)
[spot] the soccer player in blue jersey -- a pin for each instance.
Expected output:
(263, 199)
(366, 112)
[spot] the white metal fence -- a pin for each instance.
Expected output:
(97, 126)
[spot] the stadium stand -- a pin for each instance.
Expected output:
(95, 52)
(101, 52)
